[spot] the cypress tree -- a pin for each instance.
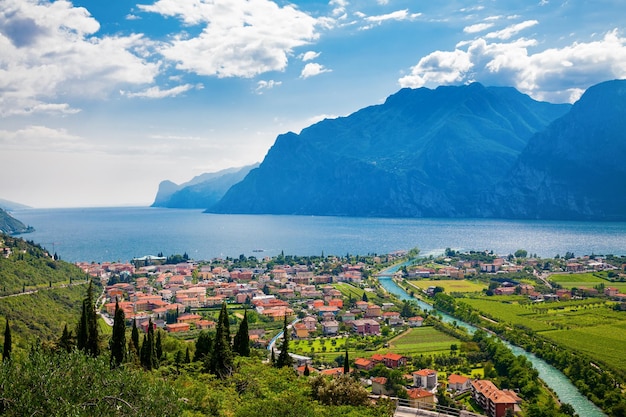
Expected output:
(220, 362)
(134, 336)
(148, 349)
(65, 342)
(241, 343)
(283, 357)
(93, 345)
(307, 371)
(118, 338)
(187, 357)
(144, 353)
(204, 344)
(6, 351)
(346, 364)
(81, 330)
(158, 347)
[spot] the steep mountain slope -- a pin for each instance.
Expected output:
(421, 153)
(202, 191)
(9, 224)
(11, 205)
(574, 169)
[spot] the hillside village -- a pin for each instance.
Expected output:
(321, 301)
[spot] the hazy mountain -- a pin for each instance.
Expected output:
(574, 169)
(202, 191)
(10, 225)
(422, 153)
(11, 205)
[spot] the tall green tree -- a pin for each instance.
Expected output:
(220, 362)
(118, 338)
(204, 345)
(284, 359)
(241, 343)
(65, 342)
(6, 351)
(87, 335)
(148, 349)
(134, 336)
(158, 347)
(346, 364)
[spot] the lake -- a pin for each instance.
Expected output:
(122, 233)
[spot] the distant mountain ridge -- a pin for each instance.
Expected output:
(11, 225)
(201, 191)
(423, 153)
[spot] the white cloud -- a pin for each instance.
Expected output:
(398, 15)
(263, 85)
(320, 117)
(478, 27)
(339, 7)
(35, 138)
(240, 38)
(555, 74)
(156, 92)
(50, 53)
(312, 69)
(310, 55)
(509, 32)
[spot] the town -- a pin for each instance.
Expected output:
(336, 305)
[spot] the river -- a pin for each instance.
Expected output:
(553, 378)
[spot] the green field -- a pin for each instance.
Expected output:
(587, 280)
(590, 326)
(450, 285)
(422, 340)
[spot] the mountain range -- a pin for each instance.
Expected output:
(453, 151)
(201, 191)
(11, 225)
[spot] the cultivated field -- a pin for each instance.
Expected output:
(422, 340)
(450, 285)
(590, 326)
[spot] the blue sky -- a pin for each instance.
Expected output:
(101, 100)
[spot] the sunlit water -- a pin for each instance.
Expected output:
(111, 234)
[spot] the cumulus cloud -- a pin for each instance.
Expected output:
(509, 32)
(312, 69)
(398, 15)
(478, 27)
(263, 85)
(555, 74)
(310, 55)
(239, 38)
(36, 137)
(50, 52)
(156, 92)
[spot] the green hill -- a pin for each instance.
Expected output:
(35, 291)
(9, 224)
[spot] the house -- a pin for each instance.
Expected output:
(494, 401)
(611, 291)
(378, 386)
(364, 364)
(332, 371)
(393, 360)
(418, 397)
(459, 382)
(300, 330)
(425, 378)
(373, 311)
(416, 321)
(393, 318)
(330, 327)
(310, 323)
(177, 327)
(366, 327)
(188, 318)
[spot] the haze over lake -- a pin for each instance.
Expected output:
(112, 234)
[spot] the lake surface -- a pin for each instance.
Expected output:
(112, 234)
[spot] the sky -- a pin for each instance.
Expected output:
(102, 100)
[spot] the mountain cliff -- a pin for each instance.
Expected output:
(202, 191)
(574, 169)
(423, 153)
(12, 226)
